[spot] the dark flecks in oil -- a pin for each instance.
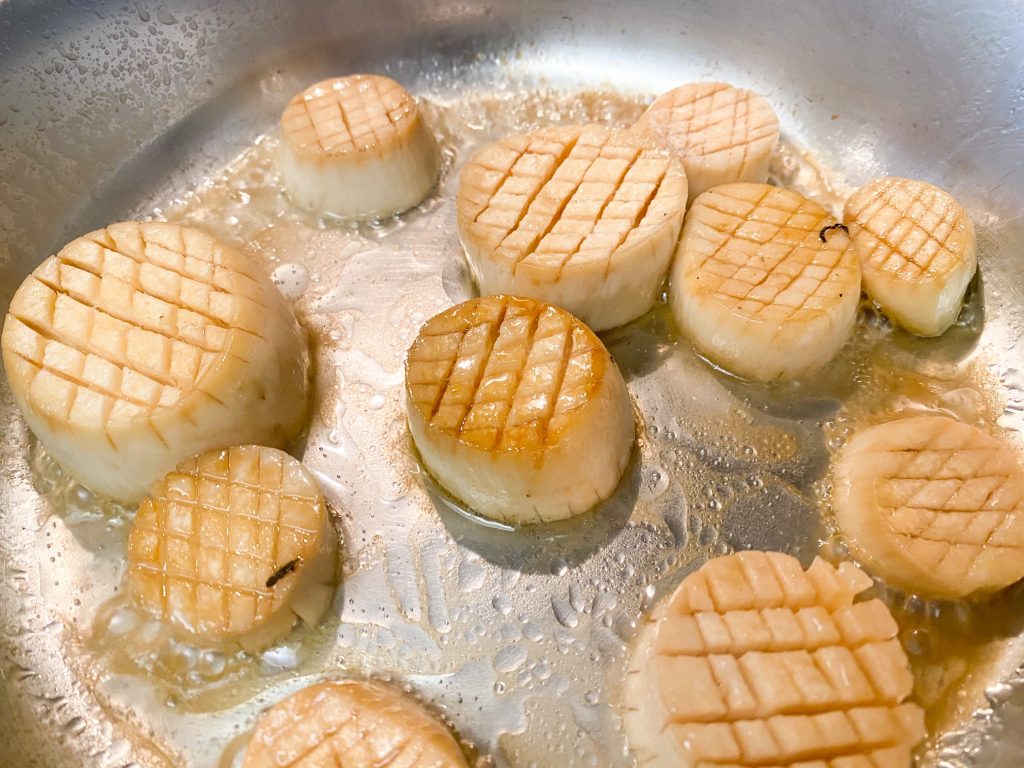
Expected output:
(283, 571)
(822, 234)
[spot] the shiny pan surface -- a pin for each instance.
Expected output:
(109, 110)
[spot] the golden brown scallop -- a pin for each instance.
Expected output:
(933, 506)
(518, 410)
(753, 661)
(762, 284)
(351, 724)
(721, 133)
(234, 546)
(141, 344)
(917, 249)
(584, 217)
(357, 147)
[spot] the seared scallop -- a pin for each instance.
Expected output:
(584, 217)
(754, 661)
(357, 147)
(721, 133)
(351, 724)
(933, 506)
(141, 344)
(233, 547)
(917, 251)
(518, 410)
(763, 283)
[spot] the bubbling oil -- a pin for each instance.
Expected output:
(519, 637)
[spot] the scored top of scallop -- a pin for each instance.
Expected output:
(349, 114)
(950, 495)
(371, 724)
(207, 542)
(705, 120)
(758, 249)
(755, 661)
(501, 373)
(908, 228)
(568, 195)
(129, 320)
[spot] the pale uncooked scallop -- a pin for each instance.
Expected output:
(141, 344)
(932, 506)
(233, 547)
(583, 217)
(917, 250)
(721, 133)
(754, 661)
(518, 410)
(351, 724)
(357, 147)
(761, 284)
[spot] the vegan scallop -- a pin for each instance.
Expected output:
(584, 217)
(764, 283)
(721, 133)
(754, 661)
(233, 548)
(141, 344)
(353, 724)
(933, 506)
(518, 410)
(357, 147)
(917, 249)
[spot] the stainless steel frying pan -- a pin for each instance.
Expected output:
(109, 108)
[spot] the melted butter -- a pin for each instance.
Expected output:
(190, 675)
